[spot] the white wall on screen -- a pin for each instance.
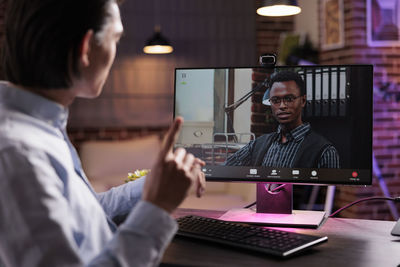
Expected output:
(242, 85)
(195, 95)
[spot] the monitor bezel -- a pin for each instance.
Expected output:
(219, 178)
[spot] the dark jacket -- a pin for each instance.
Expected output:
(307, 156)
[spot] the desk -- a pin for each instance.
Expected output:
(351, 242)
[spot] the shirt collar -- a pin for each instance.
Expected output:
(298, 133)
(33, 105)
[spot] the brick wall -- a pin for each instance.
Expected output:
(269, 30)
(386, 61)
(78, 135)
(386, 135)
(261, 117)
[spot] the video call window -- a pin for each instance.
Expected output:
(283, 123)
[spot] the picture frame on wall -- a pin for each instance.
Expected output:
(332, 26)
(383, 22)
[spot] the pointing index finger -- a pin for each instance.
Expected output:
(171, 136)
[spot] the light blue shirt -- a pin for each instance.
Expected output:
(49, 213)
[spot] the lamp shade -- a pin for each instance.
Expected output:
(158, 44)
(265, 99)
(278, 8)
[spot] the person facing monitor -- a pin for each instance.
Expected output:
(55, 51)
(294, 144)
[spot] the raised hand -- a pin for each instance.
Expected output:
(168, 183)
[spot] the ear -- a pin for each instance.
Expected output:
(303, 100)
(84, 48)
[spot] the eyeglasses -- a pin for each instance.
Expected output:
(288, 99)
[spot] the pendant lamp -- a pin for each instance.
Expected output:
(278, 8)
(158, 44)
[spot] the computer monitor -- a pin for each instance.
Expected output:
(278, 125)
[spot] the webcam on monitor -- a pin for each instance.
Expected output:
(267, 60)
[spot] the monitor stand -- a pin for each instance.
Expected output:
(276, 209)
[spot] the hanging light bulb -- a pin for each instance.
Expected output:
(158, 44)
(278, 8)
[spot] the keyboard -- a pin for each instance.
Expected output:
(256, 238)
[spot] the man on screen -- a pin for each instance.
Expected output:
(294, 144)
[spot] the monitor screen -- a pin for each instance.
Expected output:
(283, 124)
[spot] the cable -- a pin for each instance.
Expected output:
(395, 199)
(269, 190)
(250, 205)
(279, 186)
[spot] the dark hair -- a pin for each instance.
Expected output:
(42, 39)
(285, 76)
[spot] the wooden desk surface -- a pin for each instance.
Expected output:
(351, 242)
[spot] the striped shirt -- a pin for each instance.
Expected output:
(282, 154)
